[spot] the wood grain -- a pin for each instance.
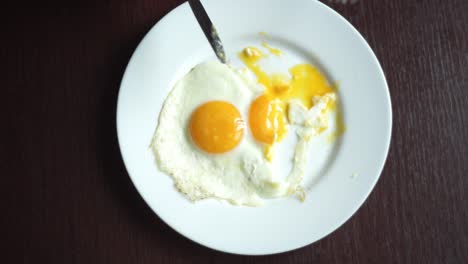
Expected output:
(65, 194)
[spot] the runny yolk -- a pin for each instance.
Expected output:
(305, 82)
(216, 127)
(267, 120)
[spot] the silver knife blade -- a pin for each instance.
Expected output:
(208, 28)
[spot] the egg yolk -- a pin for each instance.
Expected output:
(267, 120)
(216, 127)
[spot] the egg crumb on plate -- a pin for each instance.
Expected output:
(218, 129)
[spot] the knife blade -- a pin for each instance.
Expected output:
(208, 28)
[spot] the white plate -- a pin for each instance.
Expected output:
(310, 32)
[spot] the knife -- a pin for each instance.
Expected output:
(208, 28)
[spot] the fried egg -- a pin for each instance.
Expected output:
(219, 126)
(203, 142)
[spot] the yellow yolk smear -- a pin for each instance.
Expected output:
(250, 56)
(272, 50)
(305, 82)
(216, 127)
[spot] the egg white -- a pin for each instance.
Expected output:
(309, 123)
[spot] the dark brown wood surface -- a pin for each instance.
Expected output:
(66, 196)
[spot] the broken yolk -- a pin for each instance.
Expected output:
(306, 83)
(267, 118)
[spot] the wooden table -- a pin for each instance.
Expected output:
(66, 196)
